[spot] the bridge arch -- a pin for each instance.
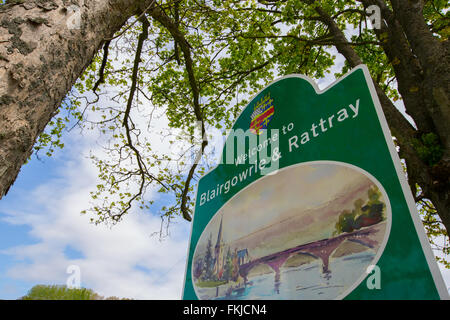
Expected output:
(299, 258)
(259, 269)
(350, 246)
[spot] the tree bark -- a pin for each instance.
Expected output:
(434, 181)
(44, 50)
(434, 57)
(435, 61)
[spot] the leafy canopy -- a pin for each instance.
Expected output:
(191, 61)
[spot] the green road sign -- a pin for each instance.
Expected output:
(310, 202)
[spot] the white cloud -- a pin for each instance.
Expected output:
(124, 260)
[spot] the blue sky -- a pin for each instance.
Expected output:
(42, 233)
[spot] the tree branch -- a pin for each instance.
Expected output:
(433, 56)
(407, 68)
(133, 23)
(400, 127)
(125, 123)
(137, 58)
(185, 47)
(101, 78)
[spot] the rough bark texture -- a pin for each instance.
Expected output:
(42, 54)
(434, 59)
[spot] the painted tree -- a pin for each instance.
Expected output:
(209, 261)
(197, 61)
(228, 269)
(363, 214)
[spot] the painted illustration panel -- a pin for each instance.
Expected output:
(311, 235)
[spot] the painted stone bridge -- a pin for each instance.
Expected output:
(321, 249)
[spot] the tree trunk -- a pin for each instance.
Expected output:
(45, 47)
(434, 60)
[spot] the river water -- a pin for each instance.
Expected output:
(307, 281)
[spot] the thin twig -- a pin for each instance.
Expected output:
(133, 23)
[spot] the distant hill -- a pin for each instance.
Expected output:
(302, 226)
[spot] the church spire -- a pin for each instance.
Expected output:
(219, 236)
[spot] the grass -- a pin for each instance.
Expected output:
(210, 284)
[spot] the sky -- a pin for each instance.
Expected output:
(42, 234)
